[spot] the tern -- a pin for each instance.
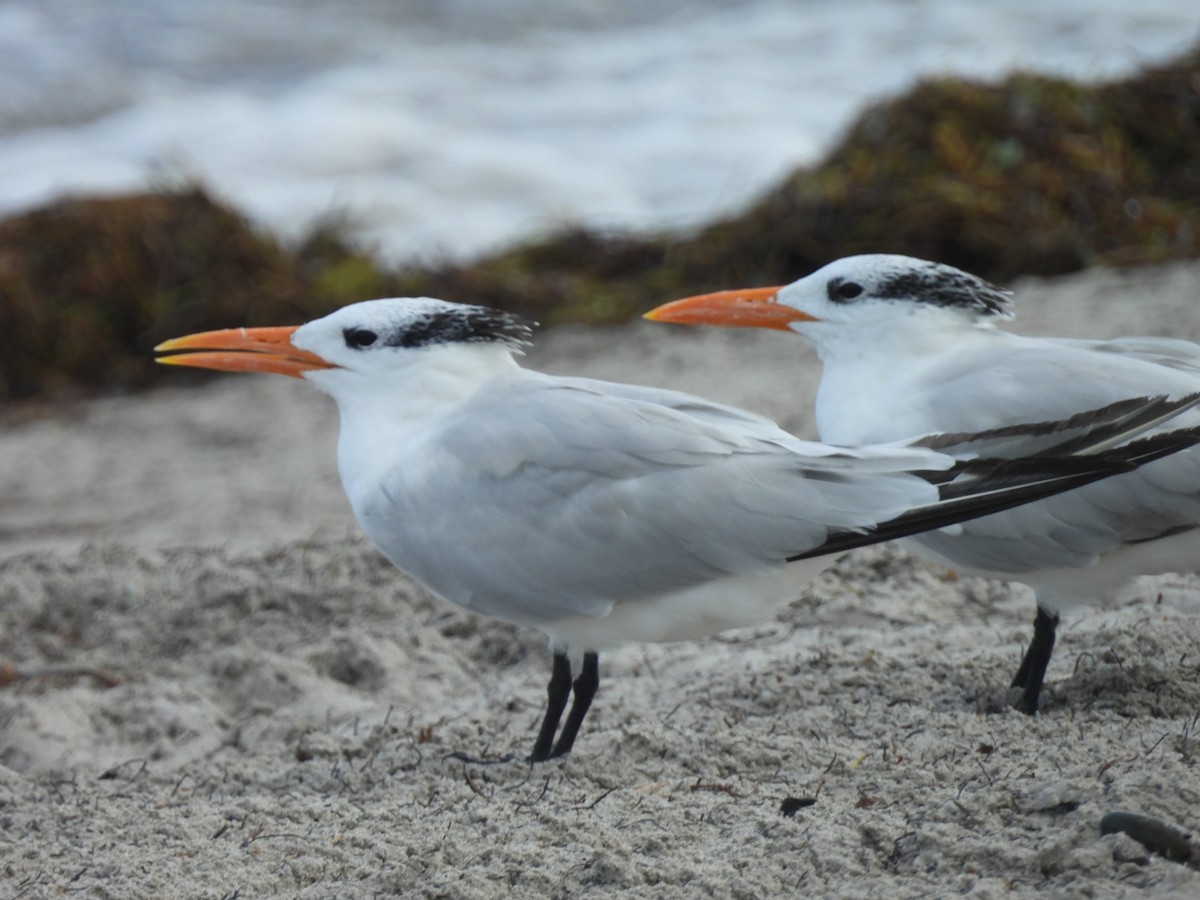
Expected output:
(909, 346)
(603, 513)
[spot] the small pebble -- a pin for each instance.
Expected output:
(1157, 837)
(791, 805)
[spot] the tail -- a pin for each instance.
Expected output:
(980, 487)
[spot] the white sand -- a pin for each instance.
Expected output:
(288, 703)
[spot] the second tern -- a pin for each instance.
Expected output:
(909, 346)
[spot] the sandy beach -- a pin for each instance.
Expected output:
(292, 717)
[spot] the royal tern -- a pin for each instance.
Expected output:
(909, 346)
(603, 513)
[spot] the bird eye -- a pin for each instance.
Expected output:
(844, 290)
(357, 338)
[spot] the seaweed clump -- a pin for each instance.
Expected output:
(1033, 176)
(88, 286)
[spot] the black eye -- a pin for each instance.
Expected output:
(844, 290)
(357, 338)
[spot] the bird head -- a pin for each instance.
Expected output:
(857, 293)
(370, 341)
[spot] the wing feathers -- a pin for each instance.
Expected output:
(604, 497)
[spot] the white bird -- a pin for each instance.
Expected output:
(909, 347)
(602, 513)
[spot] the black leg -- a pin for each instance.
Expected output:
(1022, 676)
(1032, 672)
(585, 689)
(557, 693)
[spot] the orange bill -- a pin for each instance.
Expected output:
(746, 308)
(242, 350)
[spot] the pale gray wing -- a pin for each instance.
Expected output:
(1028, 380)
(727, 418)
(1171, 353)
(552, 500)
(1042, 379)
(1076, 528)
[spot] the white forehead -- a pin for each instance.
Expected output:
(881, 267)
(383, 314)
(411, 322)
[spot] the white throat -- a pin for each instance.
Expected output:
(384, 411)
(866, 363)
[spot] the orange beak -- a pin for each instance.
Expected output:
(242, 350)
(748, 308)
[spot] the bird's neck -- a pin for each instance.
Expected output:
(919, 334)
(381, 420)
(872, 378)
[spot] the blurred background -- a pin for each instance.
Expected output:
(450, 128)
(172, 165)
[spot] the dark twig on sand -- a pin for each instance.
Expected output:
(10, 674)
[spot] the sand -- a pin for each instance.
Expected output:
(293, 718)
